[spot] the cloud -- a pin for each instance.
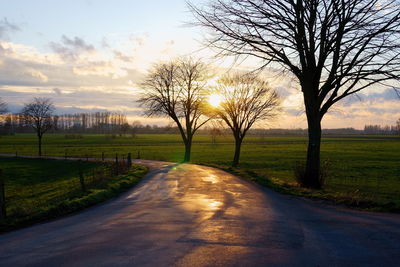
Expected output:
(371, 96)
(104, 43)
(24, 53)
(77, 43)
(293, 111)
(139, 40)
(22, 65)
(76, 100)
(6, 28)
(57, 91)
(100, 68)
(37, 74)
(71, 48)
(123, 57)
(16, 72)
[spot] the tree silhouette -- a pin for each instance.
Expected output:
(37, 114)
(246, 99)
(398, 126)
(3, 107)
(176, 89)
(334, 48)
(214, 132)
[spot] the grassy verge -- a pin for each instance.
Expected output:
(43, 189)
(355, 199)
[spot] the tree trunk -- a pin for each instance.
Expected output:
(238, 144)
(40, 145)
(312, 171)
(188, 149)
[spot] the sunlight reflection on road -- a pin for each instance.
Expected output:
(202, 203)
(210, 178)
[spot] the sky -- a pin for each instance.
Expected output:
(90, 55)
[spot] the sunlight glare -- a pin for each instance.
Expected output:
(214, 100)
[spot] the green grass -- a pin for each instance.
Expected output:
(41, 189)
(365, 170)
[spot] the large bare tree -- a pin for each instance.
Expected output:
(245, 100)
(176, 90)
(37, 114)
(335, 48)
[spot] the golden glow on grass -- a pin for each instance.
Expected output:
(214, 100)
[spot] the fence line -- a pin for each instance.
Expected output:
(83, 181)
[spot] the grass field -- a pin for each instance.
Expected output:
(364, 170)
(38, 189)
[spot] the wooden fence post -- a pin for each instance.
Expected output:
(138, 154)
(81, 178)
(129, 160)
(116, 164)
(3, 213)
(102, 156)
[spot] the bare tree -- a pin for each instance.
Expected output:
(245, 100)
(398, 126)
(335, 48)
(37, 114)
(215, 131)
(3, 107)
(176, 90)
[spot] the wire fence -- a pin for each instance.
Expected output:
(19, 203)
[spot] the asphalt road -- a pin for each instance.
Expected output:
(189, 215)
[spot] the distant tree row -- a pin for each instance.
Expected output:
(96, 122)
(38, 116)
(378, 129)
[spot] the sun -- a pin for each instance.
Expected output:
(214, 100)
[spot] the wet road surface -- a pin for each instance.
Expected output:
(190, 215)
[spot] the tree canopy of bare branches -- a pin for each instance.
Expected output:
(335, 48)
(176, 90)
(37, 114)
(246, 99)
(3, 106)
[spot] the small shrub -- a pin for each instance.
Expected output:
(299, 170)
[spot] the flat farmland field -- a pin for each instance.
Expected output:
(363, 170)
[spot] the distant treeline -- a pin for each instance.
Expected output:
(97, 122)
(378, 129)
(117, 123)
